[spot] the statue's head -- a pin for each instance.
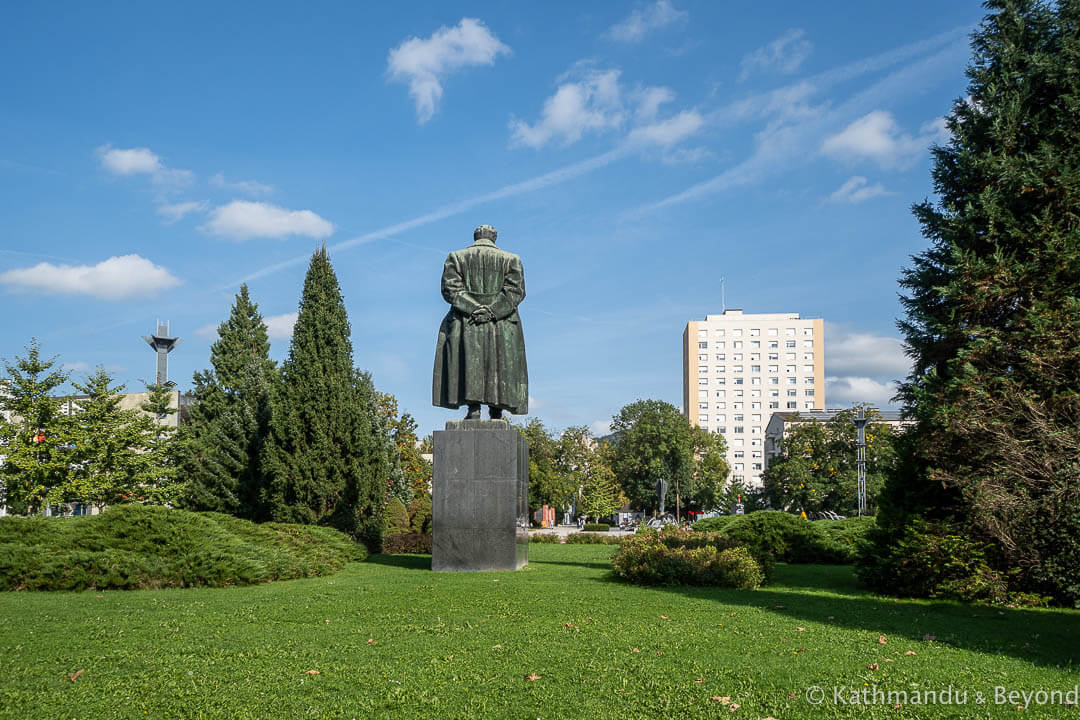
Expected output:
(485, 232)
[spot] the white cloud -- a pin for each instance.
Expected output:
(424, 63)
(847, 391)
(244, 219)
(593, 103)
(642, 21)
(141, 161)
(783, 55)
(208, 332)
(248, 187)
(649, 101)
(124, 277)
(864, 354)
(131, 161)
(856, 190)
(73, 367)
(280, 327)
(669, 132)
(600, 428)
(177, 211)
(877, 136)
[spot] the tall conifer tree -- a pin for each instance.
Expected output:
(220, 447)
(993, 310)
(326, 460)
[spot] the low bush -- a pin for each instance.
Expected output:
(585, 538)
(647, 559)
(715, 524)
(551, 538)
(848, 534)
(596, 527)
(137, 546)
(932, 560)
(408, 543)
(782, 537)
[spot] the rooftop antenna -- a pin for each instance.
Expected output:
(723, 301)
(163, 344)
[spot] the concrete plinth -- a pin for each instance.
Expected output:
(480, 497)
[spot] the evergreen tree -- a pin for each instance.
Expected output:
(220, 446)
(326, 457)
(35, 432)
(993, 313)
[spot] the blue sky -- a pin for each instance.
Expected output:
(153, 157)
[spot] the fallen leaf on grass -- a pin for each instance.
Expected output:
(799, 629)
(733, 707)
(327, 621)
(75, 675)
(792, 696)
(371, 641)
(621, 692)
(929, 637)
(717, 698)
(659, 652)
(909, 652)
(496, 647)
(881, 640)
(636, 650)
(571, 625)
(664, 617)
(312, 672)
(99, 596)
(888, 660)
(532, 677)
(589, 619)
(700, 680)
(873, 666)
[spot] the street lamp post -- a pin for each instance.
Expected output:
(860, 421)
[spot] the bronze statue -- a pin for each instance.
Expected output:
(480, 355)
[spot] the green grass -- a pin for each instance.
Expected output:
(390, 638)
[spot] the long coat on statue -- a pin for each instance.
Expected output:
(482, 363)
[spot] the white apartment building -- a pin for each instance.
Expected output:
(740, 368)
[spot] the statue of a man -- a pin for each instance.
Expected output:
(480, 355)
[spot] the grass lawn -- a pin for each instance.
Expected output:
(389, 638)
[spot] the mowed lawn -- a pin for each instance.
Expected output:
(390, 638)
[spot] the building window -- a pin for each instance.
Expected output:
(774, 405)
(755, 466)
(703, 406)
(738, 418)
(703, 358)
(703, 346)
(738, 381)
(718, 333)
(719, 357)
(721, 430)
(808, 368)
(737, 478)
(792, 393)
(738, 429)
(774, 393)
(755, 406)
(702, 394)
(719, 381)
(774, 381)
(772, 332)
(737, 332)
(721, 406)
(755, 368)
(755, 332)
(736, 406)
(808, 393)
(808, 357)
(755, 418)
(789, 343)
(701, 333)
(755, 393)
(755, 343)
(738, 467)
(774, 368)
(808, 405)
(808, 343)
(703, 418)
(755, 356)
(737, 442)
(808, 380)
(718, 344)
(808, 331)
(703, 381)
(793, 406)
(755, 430)
(720, 393)
(789, 331)
(738, 454)
(756, 453)
(792, 381)
(738, 393)
(755, 381)
(721, 368)
(737, 345)
(703, 370)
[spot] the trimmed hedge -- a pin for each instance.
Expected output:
(649, 558)
(418, 543)
(549, 538)
(715, 524)
(139, 546)
(584, 538)
(596, 527)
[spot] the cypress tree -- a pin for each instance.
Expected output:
(326, 458)
(220, 446)
(993, 313)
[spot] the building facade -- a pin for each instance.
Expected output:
(780, 425)
(740, 368)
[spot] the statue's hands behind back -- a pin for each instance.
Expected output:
(482, 314)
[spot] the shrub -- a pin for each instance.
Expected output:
(584, 538)
(848, 534)
(596, 527)
(549, 538)
(408, 543)
(715, 524)
(646, 559)
(931, 560)
(420, 514)
(786, 538)
(395, 518)
(137, 546)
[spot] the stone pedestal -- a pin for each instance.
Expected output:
(480, 497)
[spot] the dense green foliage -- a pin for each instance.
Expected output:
(219, 448)
(137, 546)
(589, 538)
(570, 471)
(395, 517)
(460, 645)
(993, 314)
(326, 458)
(790, 538)
(596, 527)
(81, 449)
(815, 470)
(653, 441)
(646, 559)
(407, 543)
